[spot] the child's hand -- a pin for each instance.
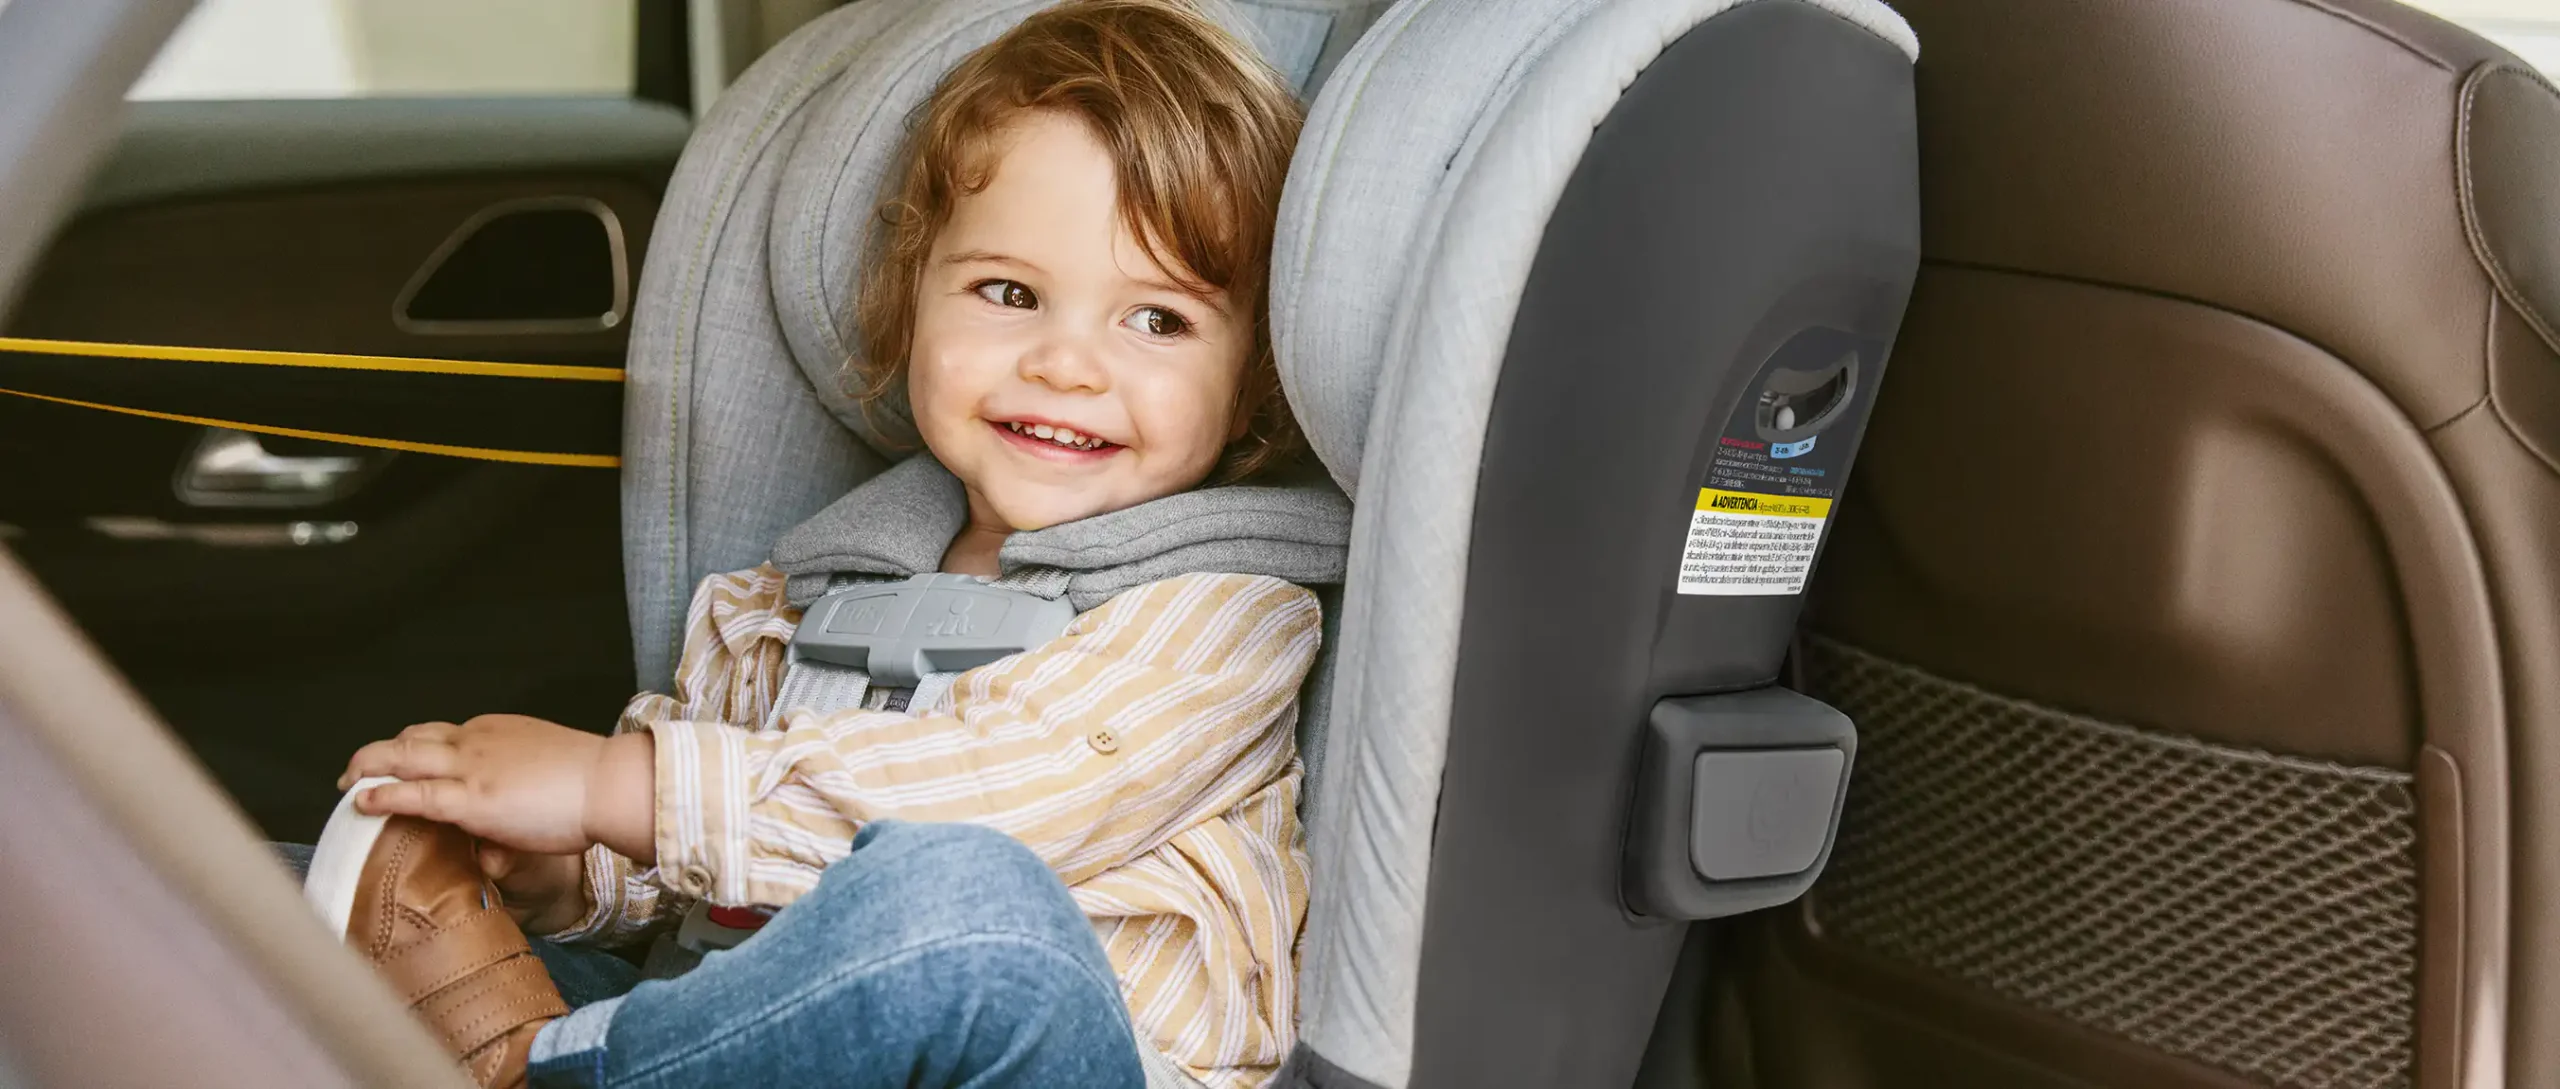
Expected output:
(516, 781)
(545, 894)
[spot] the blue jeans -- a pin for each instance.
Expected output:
(938, 955)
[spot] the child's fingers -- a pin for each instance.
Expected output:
(440, 800)
(423, 756)
(359, 765)
(496, 863)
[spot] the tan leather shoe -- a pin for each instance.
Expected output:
(414, 904)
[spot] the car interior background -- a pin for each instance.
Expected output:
(2245, 797)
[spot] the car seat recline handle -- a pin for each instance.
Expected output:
(1737, 804)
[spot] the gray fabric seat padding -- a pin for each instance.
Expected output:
(1413, 212)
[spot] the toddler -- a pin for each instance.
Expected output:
(1078, 865)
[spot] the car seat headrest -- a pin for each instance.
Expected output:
(1371, 183)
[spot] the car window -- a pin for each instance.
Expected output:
(258, 49)
(2529, 28)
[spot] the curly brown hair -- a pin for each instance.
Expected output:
(1201, 129)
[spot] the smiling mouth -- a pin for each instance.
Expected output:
(1057, 438)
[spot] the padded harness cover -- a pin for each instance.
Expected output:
(900, 523)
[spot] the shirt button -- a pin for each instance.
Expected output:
(697, 881)
(1103, 741)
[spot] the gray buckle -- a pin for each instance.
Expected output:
(899, 631)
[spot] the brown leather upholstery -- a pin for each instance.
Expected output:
(2227, 409)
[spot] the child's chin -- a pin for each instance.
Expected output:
(1030, 510)
(1032, 507)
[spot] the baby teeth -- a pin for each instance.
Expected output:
(1059, 435)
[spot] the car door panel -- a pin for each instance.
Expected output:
(241, 269)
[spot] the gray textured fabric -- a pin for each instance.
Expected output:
(811, 685)
(725, 443)
(1300, 533)
(931, 690)
(1292, 40)
(736, 422)
(1413, 211)
(899, 523)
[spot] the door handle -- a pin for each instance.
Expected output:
(234, 469)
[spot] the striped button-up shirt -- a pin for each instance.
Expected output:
(1148, 755)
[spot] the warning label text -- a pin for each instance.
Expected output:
(1751, 543)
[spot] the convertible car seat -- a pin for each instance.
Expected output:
(1583, 302)
(2199, 603)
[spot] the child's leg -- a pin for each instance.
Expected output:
(584, 974)
(933, 955)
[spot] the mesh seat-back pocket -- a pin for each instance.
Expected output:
(2248, 910)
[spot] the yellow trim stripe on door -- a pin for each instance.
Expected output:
(310, 359)
(520, 457)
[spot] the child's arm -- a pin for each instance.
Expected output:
(735, 630)
(1165, 707)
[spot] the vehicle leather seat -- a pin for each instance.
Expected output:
(2199, 601)
(1523, 249)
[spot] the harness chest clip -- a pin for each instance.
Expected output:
(898, 632)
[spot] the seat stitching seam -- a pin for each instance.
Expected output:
(2497, 407)
(2379, 31)
(2471, 229)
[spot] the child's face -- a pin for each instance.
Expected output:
(1037, 309)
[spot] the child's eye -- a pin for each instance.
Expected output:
(1156, 321)
(1006, 293)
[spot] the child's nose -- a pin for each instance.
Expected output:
(1066, 365)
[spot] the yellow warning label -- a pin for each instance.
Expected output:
(1766, 506)
(1743, 543)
